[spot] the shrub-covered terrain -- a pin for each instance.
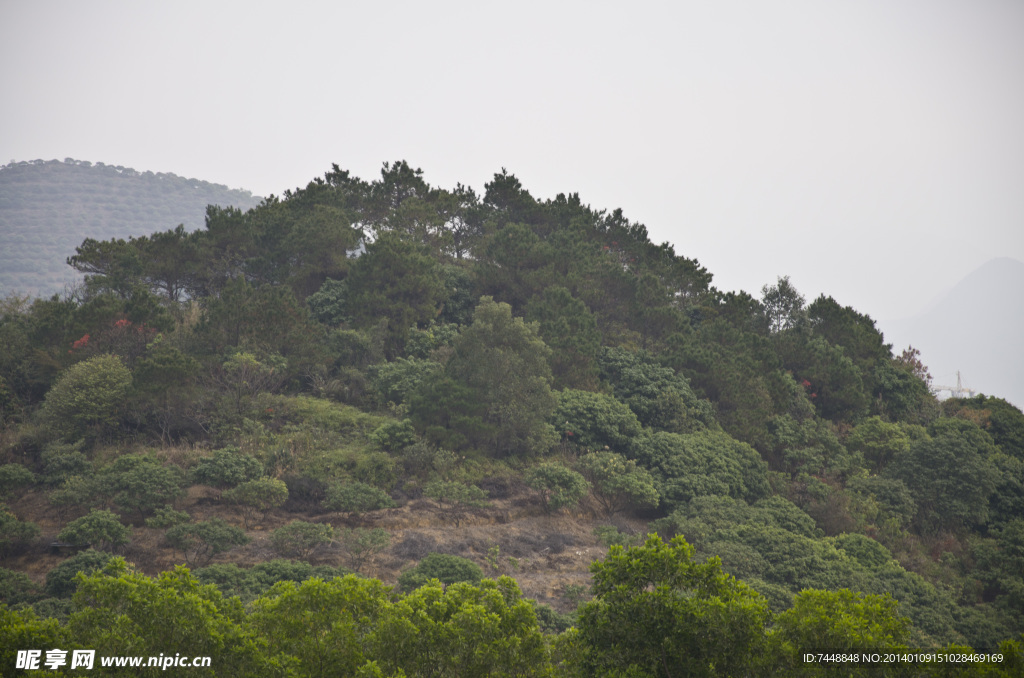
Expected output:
(366, 411)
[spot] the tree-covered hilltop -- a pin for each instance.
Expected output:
(415, 383)
(48, 207)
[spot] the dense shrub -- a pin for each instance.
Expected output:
(200, 542)
(356, 497)
(256, 498)
(227, 467)
(559, 486)
(299, 538)
(61, 581)
(448, 569)
(100, 529)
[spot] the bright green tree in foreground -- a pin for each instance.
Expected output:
(658, 612)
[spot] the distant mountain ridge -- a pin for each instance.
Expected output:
(48, 207)
(976, 329)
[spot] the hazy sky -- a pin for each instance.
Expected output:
(872, 149)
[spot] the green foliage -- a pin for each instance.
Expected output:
(362, 544)
(559, 486)
(657, 610)
(807, 446)
(61, 461)
(257, 497)
(140, 483)
(299, 538)
(618, 483)
(866, 551)
(783, 306)
(321, 623)
(87, 399)
(394, 435)
(503, 363)
(835, 384)
(16, 588)
(328, 304)
(449, 414)
(62, 580)
(447, 569)
(949, 475)
(226, 467)
(454, 494)
(595, 421)
(165, 517)
(892, 496)
(660, 398)
(99, 529)
(879, 442)
(201, 542)
(462, 629)
(701, 464)
(570, 330)
(22, 629)
(14, 534)
(1000, 419)
(14, 477)
(172, 610)
(249, 583)
(397, 380)
(357, 497)
(609, 535)
(837, 621)
(397, 280)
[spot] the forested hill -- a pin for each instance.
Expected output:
(496, 385)
(48, 207)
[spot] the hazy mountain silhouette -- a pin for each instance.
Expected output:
(976, 328)
(47, 208)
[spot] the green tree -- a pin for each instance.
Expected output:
(357, 497)
(878, 441)
(659, 397)
(99, 529)
(618, 483)
(657, 612)
(559, 486)
(321, 624)
(595, 421)
(950, 476)
(201, 542)
(503, 361)
(447, 569)
(119, 611)
(165, 389)
(299, 538)
(15, 534)
(699, 464)
(62, 580)
(14, 477)
(23, 630)
(570, 330)
(362, 544)
(227, 467)
(256, 498)
(460, 630)
(455, 497)
(88, 398)
(397, 280)
(139, 483)
(839, 622)
(783, 305)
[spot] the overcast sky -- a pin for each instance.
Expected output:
(872, 150)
